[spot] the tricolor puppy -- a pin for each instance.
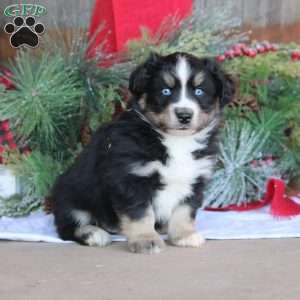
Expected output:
(145, 172)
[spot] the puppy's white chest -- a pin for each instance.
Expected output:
(179, 174)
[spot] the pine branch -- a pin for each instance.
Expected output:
(46, 101)
(237, 180)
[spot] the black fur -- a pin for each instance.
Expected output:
(99, 182)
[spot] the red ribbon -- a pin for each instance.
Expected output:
(280, 204)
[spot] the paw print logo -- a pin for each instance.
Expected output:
(24, 32)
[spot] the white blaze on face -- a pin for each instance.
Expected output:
(183, 73)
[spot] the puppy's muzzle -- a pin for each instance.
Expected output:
(184, 115)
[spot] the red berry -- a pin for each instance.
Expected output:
(236, 47)
(239, 46)
(246, 51)
(8, 84)
(274, 48)
(267, 46)
(229, 54)
(238, 52)
(4, 126)
(252, 53)
(13, 146)
(26, 152)
(221, 58)
(6, 71)
(295, 55)
(9, 136)
(260, 49)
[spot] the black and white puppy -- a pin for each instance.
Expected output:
(145, 172)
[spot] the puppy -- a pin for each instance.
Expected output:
(145, 172)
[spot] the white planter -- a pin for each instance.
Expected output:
(9, 183)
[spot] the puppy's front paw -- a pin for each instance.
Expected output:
(195, 240)
(146, 244)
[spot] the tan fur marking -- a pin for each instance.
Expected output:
(181, 229)
(169, 79)
(142, 103)
(205, 118)
(160, 120)
(141, 235)
(198, 79)
(143, 226)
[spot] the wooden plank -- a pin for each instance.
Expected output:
(260, 13)
(277, 20)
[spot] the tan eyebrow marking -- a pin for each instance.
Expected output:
(198, 79)
(169, 79)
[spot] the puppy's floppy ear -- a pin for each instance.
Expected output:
(224, 83)
(139, 77)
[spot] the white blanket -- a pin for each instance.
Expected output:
(256, 224)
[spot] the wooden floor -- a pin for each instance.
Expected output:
(227, 270)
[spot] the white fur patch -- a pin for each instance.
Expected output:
(180, 172)
(81, 217)
(195, 240)
(95, 235)
(183, 70)
(183, 73)
(145, 170)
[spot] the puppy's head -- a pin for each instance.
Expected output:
(180, 93)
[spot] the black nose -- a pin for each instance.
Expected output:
(184, 115)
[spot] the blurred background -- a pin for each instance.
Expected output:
(273, 20)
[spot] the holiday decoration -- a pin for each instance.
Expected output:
(241, 173)
(276, 196)
(55, 98)
(6, 136)
(124, 18)
(242, 49)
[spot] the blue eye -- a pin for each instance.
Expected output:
(166, 92)
(198, 92)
